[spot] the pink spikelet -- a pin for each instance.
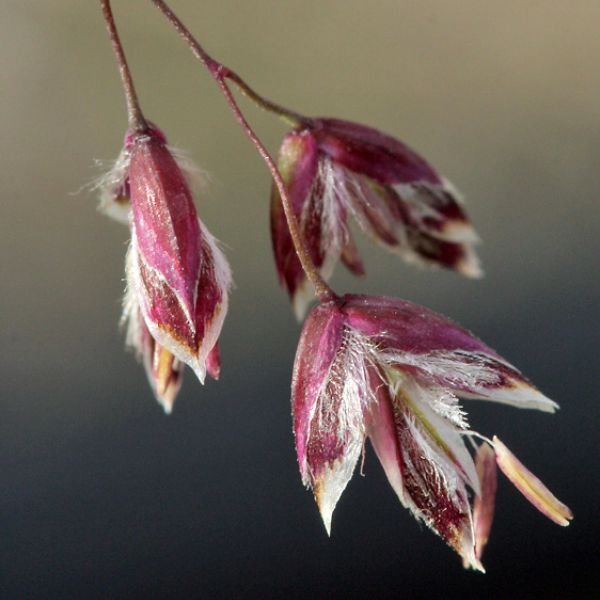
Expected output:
(335, 170)
(393, 372)
(178, 279)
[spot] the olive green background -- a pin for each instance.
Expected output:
(101, 495)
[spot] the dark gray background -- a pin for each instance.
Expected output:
(101, 495)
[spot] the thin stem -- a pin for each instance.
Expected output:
(291, 117)
(322, 290)
(220, 74)
(135, 116)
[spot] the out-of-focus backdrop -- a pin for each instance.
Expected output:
(101, 494)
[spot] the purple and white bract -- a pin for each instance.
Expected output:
(335, 168)
(484, 504)
(177, 278)
(113, 186)
(392, 371)
(164, 371)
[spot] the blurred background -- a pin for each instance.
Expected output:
(101, 494)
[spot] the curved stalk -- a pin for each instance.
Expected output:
(221, 74)
(289, 116)
(135, 116)
(323, 291)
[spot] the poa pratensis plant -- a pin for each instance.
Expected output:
(366, 366)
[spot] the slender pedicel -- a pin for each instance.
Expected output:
(136, 119)
(218, 70)
(322, 290)
(220, 74)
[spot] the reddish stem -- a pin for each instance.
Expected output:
(293, 118)
(220, 74)
(135, 116)
(322, 290)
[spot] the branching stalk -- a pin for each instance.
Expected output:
(221, 74)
